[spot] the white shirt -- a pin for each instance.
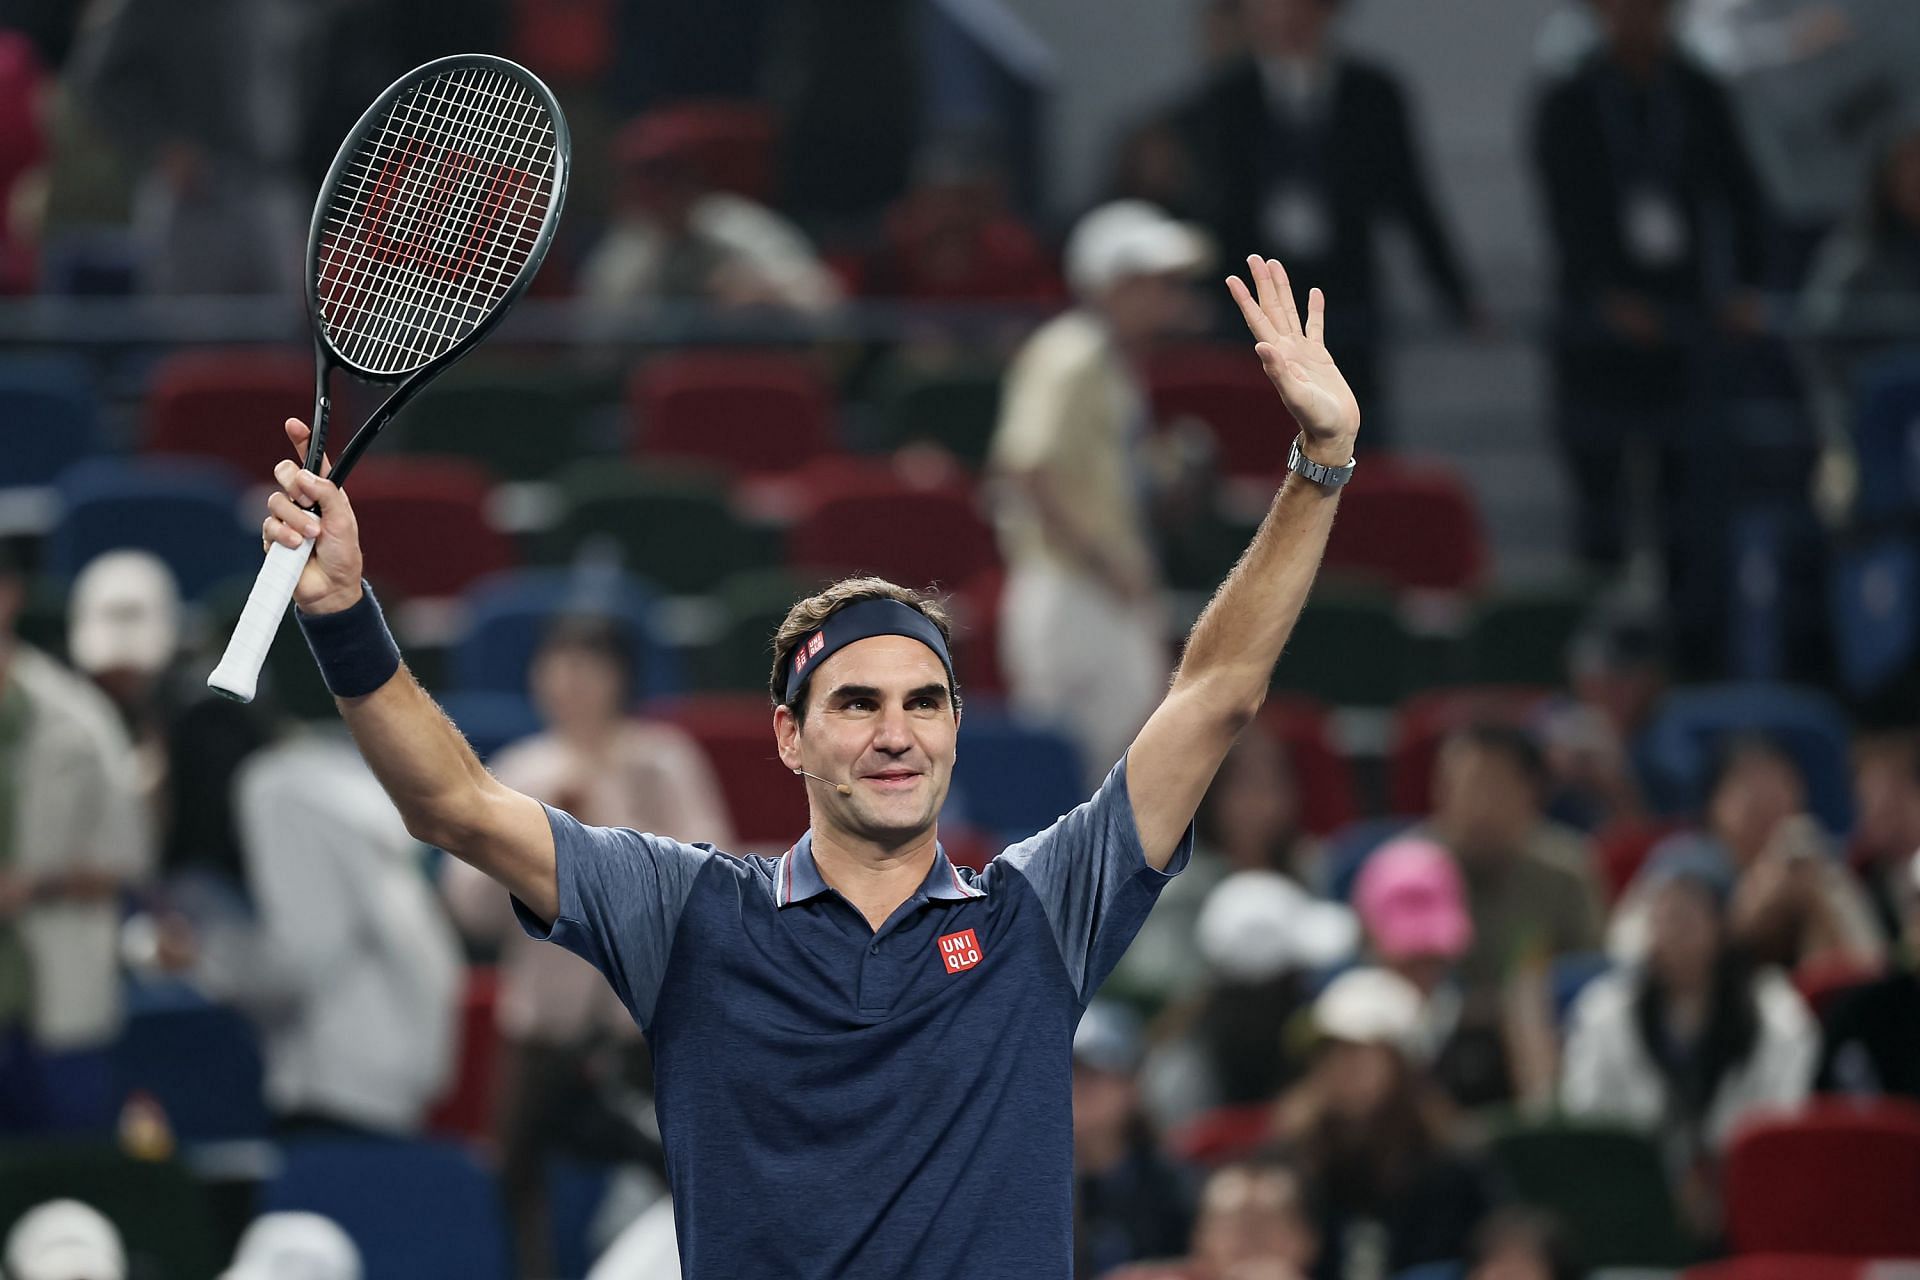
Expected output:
(627, 262)
(78, 809)
(1606, 1071)
(354, 972)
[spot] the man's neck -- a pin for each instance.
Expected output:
(875, 878)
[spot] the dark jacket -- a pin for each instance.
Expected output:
(1604, 147)
(1359, 155)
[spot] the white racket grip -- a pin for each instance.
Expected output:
(239, 671)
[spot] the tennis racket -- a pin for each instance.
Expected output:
(437, 211)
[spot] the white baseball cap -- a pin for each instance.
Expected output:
(125, 613)
(65, 1240)
(1257, 925)
(295, 1246)
(1130, 238)
(1371, 1006)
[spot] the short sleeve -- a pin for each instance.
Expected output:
(621, 894)
(1091, 876)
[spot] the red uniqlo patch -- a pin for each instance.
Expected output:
(959, 951)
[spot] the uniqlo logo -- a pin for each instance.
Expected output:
(959, 951)
(815, 645)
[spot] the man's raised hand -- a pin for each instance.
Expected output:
(1296, 360)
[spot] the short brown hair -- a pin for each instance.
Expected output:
(807, 615)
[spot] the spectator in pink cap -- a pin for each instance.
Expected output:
(1413, 908)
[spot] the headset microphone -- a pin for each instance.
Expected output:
(841, 787)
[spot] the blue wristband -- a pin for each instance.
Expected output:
(355, 650)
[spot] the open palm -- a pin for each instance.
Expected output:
(1295, 355)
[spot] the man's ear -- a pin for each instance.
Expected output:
(786, 736)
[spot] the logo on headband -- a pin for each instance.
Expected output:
(806, 651)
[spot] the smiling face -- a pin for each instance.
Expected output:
(879, 716)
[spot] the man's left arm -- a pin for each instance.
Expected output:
(1223, 676)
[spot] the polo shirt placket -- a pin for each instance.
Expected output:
(885, 956)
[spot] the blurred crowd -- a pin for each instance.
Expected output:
(1315, 1060)
(1543, 937)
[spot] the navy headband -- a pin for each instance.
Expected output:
(862, 621)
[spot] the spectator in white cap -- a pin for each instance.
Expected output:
(1250, 820)
(72, 837)
(1082, 640)
(124, 634)
(294, 1246)
(64, 1240)
(124, 623)
(1261, 937)
(123, 628)
(1376, 1136)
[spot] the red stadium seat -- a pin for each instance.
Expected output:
(731, 144)
(1409, 526)
(1823, 982)
(913, 533)
(753, 413)
(768, 804)
(976, 634)
(424, 524)
(22, 148)
(968, 847)
(1321, 775)
(1424, 720)
(1225, 388)
(466, 1109)
(1840, 1177)
(569, 42)
(1224, 1134)
(229, 406)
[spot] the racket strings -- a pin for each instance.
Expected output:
(433, 218)
(410, 190)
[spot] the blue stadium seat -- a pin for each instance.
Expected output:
(1873, 615)
(1349, 848)
(1435, 1271)
(1012, 778)
(1691, 723)
(187, 513)
(510, 613)
(199, 1060)
(575, 1191)
(48, 406)
(414, 1208)
(90, 264)
(1886, 432)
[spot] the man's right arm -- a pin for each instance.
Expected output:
(442, 791)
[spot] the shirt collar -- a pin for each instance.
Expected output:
(796, 878)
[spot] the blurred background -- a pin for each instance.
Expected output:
(1556, 917)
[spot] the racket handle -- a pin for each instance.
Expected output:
(239, 669)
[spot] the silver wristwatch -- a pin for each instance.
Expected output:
(1321, 474)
